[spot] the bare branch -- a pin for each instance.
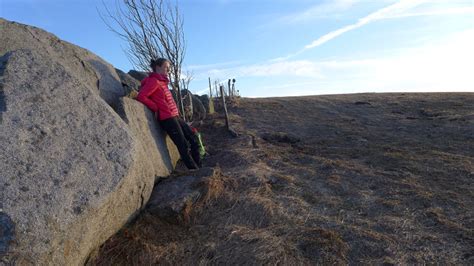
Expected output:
(152, 29)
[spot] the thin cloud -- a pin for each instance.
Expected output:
(434, 12)
(325, 10)
(211, 66)
(444, 65)
(400, 9)
(389, 11)
(298, 68)
(364, 71)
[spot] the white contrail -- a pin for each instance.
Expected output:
(386, 12)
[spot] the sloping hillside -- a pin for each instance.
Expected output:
(365, 178)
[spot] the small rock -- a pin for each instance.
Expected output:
(280, 137)
(130, 84)
(138, 75)
(174, 198)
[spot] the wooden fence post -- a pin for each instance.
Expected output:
(233, 88)
(211, 101)
(227, 123)
(225, 107)
(232, 132)
(210, 88)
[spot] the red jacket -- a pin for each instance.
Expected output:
(154, 93)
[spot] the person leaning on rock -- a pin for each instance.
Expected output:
(154, 93)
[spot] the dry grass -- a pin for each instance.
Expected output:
(358, 179)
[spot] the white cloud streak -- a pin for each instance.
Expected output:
(326, 9)
(298, 68)
(442, 66)
(434, 12)
(418, 69)
(398, 8)
(387, 12)
(211, 66)
(445, 65)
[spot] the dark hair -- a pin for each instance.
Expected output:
(157, 62)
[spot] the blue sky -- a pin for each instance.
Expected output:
(294, 47)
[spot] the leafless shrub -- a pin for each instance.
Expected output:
(152, 29)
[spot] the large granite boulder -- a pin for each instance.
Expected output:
(72, 171)
(161, 153)
(130, 85)
(85, 66)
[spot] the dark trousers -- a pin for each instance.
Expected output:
(182, 134)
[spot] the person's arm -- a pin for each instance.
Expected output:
(143, 96)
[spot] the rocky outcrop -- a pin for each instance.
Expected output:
(130, 85)
(205, 101)
(79, 62)
(72, 171)
(199, 111)
(161, 154)
(193, 107)
(138, 75)
(175, 198)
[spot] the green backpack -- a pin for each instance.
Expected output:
(202, 148)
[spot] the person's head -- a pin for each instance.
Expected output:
(160, 65)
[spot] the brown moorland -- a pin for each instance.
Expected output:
(358, 179)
